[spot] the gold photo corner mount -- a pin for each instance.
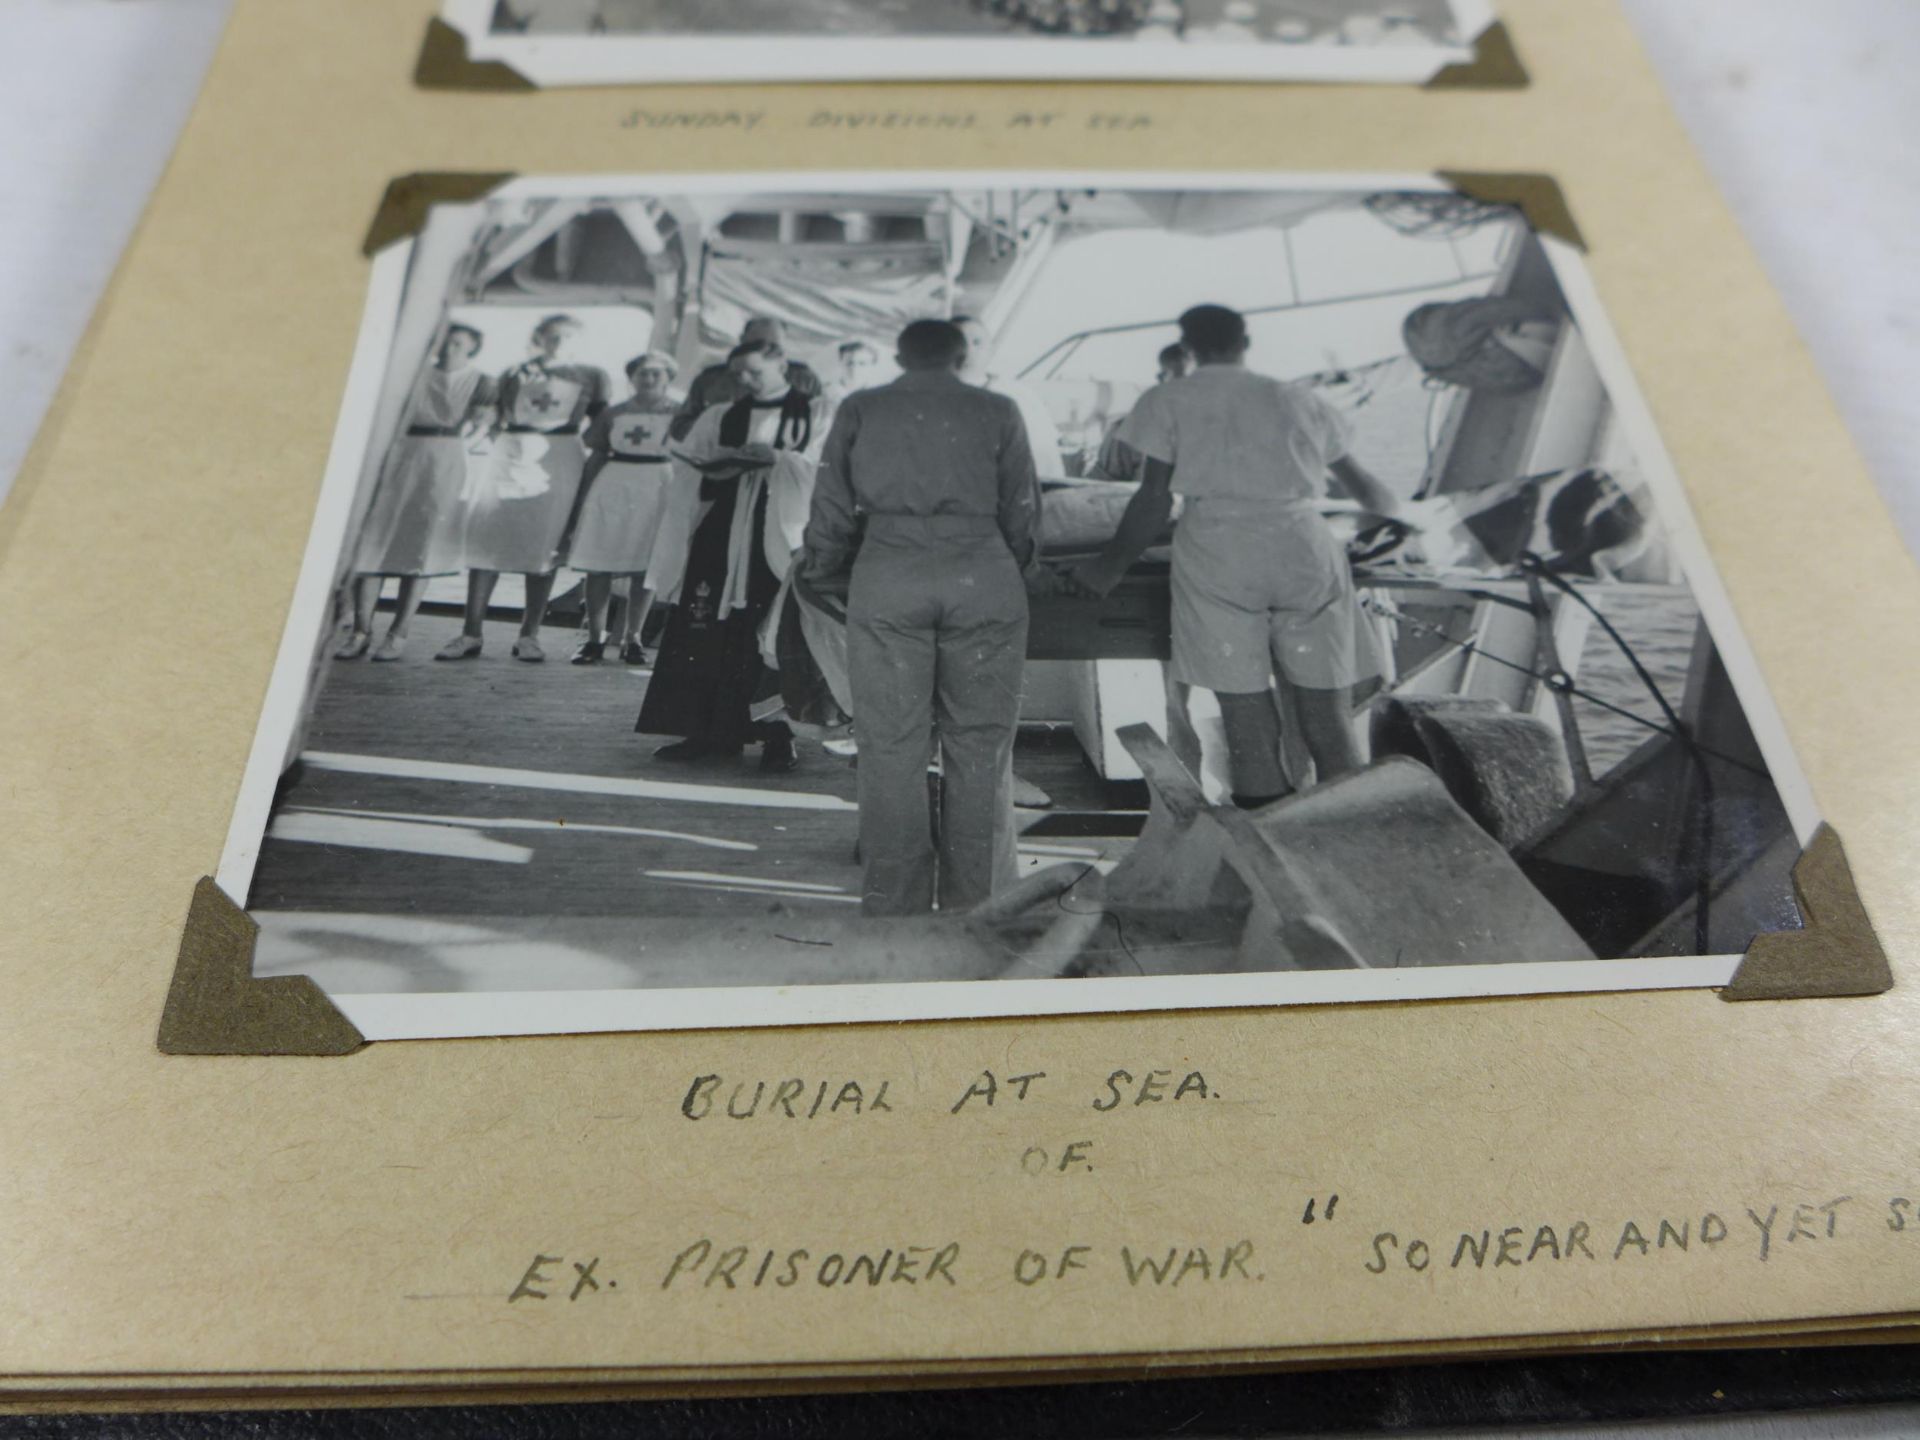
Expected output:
(216, 1006)
(1536, 196)
(445, 65)
(1834, 955)
(403, 208)
(1496, 65)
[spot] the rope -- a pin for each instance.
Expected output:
(1563, 681)
(1703, 894)
(1675, 729)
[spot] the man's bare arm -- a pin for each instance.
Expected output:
(1019, 490)
(1145, 520)
(1362, 486)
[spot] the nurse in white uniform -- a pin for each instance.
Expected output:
(624, 493)
(415, 527)
(525, 488)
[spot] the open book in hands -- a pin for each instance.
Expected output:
(731, 462)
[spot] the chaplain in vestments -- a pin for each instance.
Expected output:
(743, 485)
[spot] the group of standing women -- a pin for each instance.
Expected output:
(496, 475)
(536, 470)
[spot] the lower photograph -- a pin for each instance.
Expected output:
(770, 599)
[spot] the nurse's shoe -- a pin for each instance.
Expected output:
(353, 647)
(460, 647)
(391, 647)
(527, 648)
(777, 755)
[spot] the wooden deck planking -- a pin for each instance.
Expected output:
(567, 720)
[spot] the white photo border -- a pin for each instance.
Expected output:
(566, 60)
(434, 1015)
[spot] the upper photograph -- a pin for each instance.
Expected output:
(614, 42)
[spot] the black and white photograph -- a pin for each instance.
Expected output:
(748, 600)
(557, 42)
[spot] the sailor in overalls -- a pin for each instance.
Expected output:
(941, 475)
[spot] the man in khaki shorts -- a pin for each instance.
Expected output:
(1260, 584)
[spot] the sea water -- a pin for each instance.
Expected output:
(1658, 622)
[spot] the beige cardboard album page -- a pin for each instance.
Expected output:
(1064, 1194)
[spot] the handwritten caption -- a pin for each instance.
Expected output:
(717, 1097)
(749, 121)
(722, 1265)
(1760, 1233)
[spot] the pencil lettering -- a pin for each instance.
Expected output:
(525, 1290)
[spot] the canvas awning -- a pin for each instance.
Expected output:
(517, 228)
(1199, 212)
(821, 298)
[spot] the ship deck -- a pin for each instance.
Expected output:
(502, 792)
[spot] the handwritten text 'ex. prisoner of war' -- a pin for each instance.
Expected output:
(719, 1268)
(1148, 1264)
(746, 121)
